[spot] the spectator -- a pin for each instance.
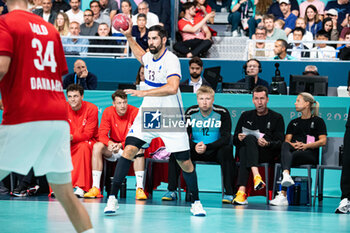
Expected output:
(81, 76)
(104, 31)
(34, 4)
(330, 26)
(62, 24)
(252, 149)
(288, 17)
(47, 13)
(219, 5)
(322, 50)
(208, 143)
(74, 30)
(311, 70)
(109, 7)
(313, 23)
(143, 8)
(298, 45)
(275, 9)
(341, 8)
(307, 37)
(280, 51)
(344, 204)
(75, 14)
(111, 141)
(202, 9)
(60, 5)
(240, 12)
(317, 3)
(279, 23)
(83, 122)
(195, 33)
(3, 7)
(273, 33)
(344, 53)
(304, 136)
(345, 29)
(196, 80)
(99, 17)
(89, 27)
(140, 75)
(252, 68)
(267, 52)
(140, 32)
(161, 8)
(261, 9)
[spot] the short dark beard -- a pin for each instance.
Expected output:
(194, 75)
(157, 49)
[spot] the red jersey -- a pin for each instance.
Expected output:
(32, 88)
(199, 34)
(84, 122)
(114, 127)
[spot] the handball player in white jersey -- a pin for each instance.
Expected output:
(34, 132)
(162, 78)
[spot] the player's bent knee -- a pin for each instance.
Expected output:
(59, 178)
(182, 155)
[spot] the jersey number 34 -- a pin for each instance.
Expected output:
(49, 55)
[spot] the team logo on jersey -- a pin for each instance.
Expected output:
(152, 119)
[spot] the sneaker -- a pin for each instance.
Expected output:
(344, 206)
(258, 183)
(112, 206)
(280, 200)
(235, 33)
(33, 190)
(197, 209)
(169, 196)
(227, 199)
(93, 193)
(19, 192)
(287, 180)
(79, 192)
(240, 199)
(140, 194)
(52, 195)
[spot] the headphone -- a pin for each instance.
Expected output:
(253, 59)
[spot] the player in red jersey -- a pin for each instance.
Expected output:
(32, 63)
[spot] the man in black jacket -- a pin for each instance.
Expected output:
(258, 137)
(210, 134)
(47, 13)
(81, 76)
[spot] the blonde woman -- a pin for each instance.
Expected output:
(62, 24)
(304, 136)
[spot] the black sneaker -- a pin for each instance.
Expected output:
(33, 190)
(3, 190)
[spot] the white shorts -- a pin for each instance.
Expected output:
(174, 141)
(43, 145)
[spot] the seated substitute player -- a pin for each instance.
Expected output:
(208, 143)
(83, 121)
(35, 111)
(252, 150)
(115, 124)
(162, 76)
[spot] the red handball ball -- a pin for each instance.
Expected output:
(120, 21)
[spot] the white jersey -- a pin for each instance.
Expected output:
(156, 74)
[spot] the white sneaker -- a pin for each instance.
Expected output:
(112, 206)
(344, 207)
(115, 156)
(235, 33)
(79, 192)
(280, 200)
(197, 209)
(287, 180)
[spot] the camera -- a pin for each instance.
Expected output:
(278, 85)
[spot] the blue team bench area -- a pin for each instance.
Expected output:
(110, 71)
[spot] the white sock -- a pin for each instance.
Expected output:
(89, 231)
(96, 178)
(139, 179)
(285, 174)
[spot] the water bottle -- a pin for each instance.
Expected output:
(297, 194)
(341, 154)
(219, 87)
(123, 189)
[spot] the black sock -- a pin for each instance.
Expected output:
(284, 188)
(192, 185)
(120, 173)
